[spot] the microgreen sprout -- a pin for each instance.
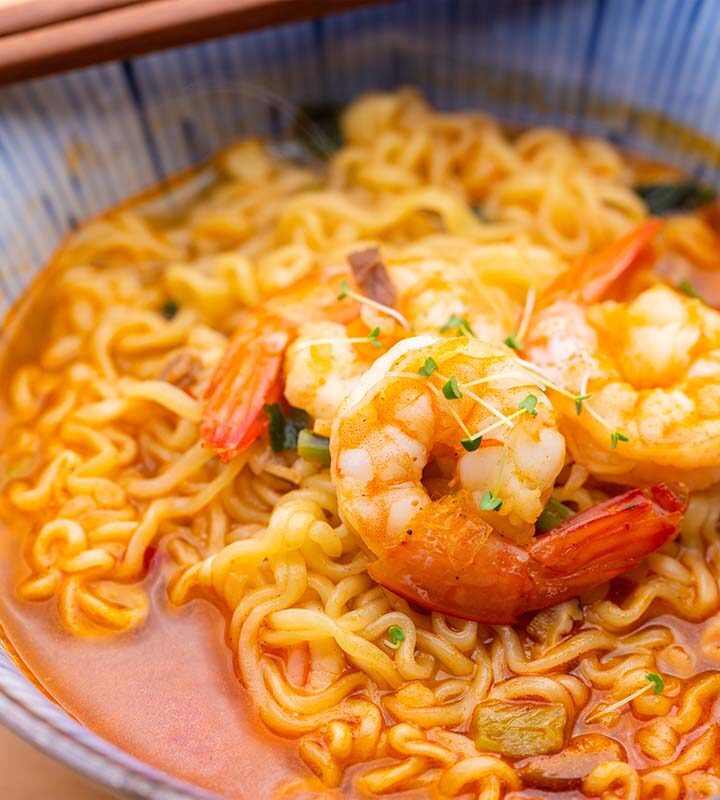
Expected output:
(655, 682)
(373, 337)
(579, 400)
(428, 367)
(451, 389)
(344, 290)
(396, 635)
(169, 308)
(529, 405)
(490, 501)
(471, 443)
(687, 288)
(513, 342)
(459, 324)
(616, 437)
(347, 291)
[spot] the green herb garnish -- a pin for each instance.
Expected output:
(552, 515)
(529, 404)
(513, 342)
(396, 635)
(490, 501)
(664, 198)
(579, 400)
(284, 429)
(687, 288)
(657, 682)
(313, 448)
(344, 290)
(616, 437)
(471, 443)
(318, 127)
(428, 367)
(373, 337)
(169, 308)
(459, 324)
(451, 389)
(479, 212)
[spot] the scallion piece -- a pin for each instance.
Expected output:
(169, 308)
(284, 428)
(314, 448)
(553, 514)
(664, 198)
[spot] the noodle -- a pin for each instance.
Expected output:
(117, 469)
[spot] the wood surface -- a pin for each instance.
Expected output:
(38, 37)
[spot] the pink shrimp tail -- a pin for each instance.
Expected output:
(248, 377)
(604, 541)
(455, 563)
(591, 278)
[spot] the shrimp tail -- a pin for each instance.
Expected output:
(605, 541)
(468, 570)
(247, 378)
(589, 279)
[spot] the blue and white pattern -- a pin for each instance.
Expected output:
(641, 72)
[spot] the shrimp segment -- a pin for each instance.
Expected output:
(589, 280)
(249, 375)
(459, 565)
(247, 378)
(649, 369)
(452, 523)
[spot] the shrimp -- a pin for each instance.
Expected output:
(249, 375)
(316, 364)
(444, 455)
(432, 293)
(322, 366)
(637, 384)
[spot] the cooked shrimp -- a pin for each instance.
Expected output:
(650, 370)
(250, 373)
(443, 457)
(433, 293)
(322, 366)
(646, 379)
(324, 359)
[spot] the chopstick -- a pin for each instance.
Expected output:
(24, 15)
(75, 33)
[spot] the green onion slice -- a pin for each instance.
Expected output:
(314, 448)
(553, 514)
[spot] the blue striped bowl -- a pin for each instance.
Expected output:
(641, 72)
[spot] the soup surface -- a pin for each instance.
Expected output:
(389, 470)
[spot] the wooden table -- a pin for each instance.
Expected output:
(27, 774)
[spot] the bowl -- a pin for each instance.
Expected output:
(640, 74)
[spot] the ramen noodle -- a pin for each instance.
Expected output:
(116, 454)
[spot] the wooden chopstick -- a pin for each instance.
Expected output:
(124, 29)
(24, 15)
